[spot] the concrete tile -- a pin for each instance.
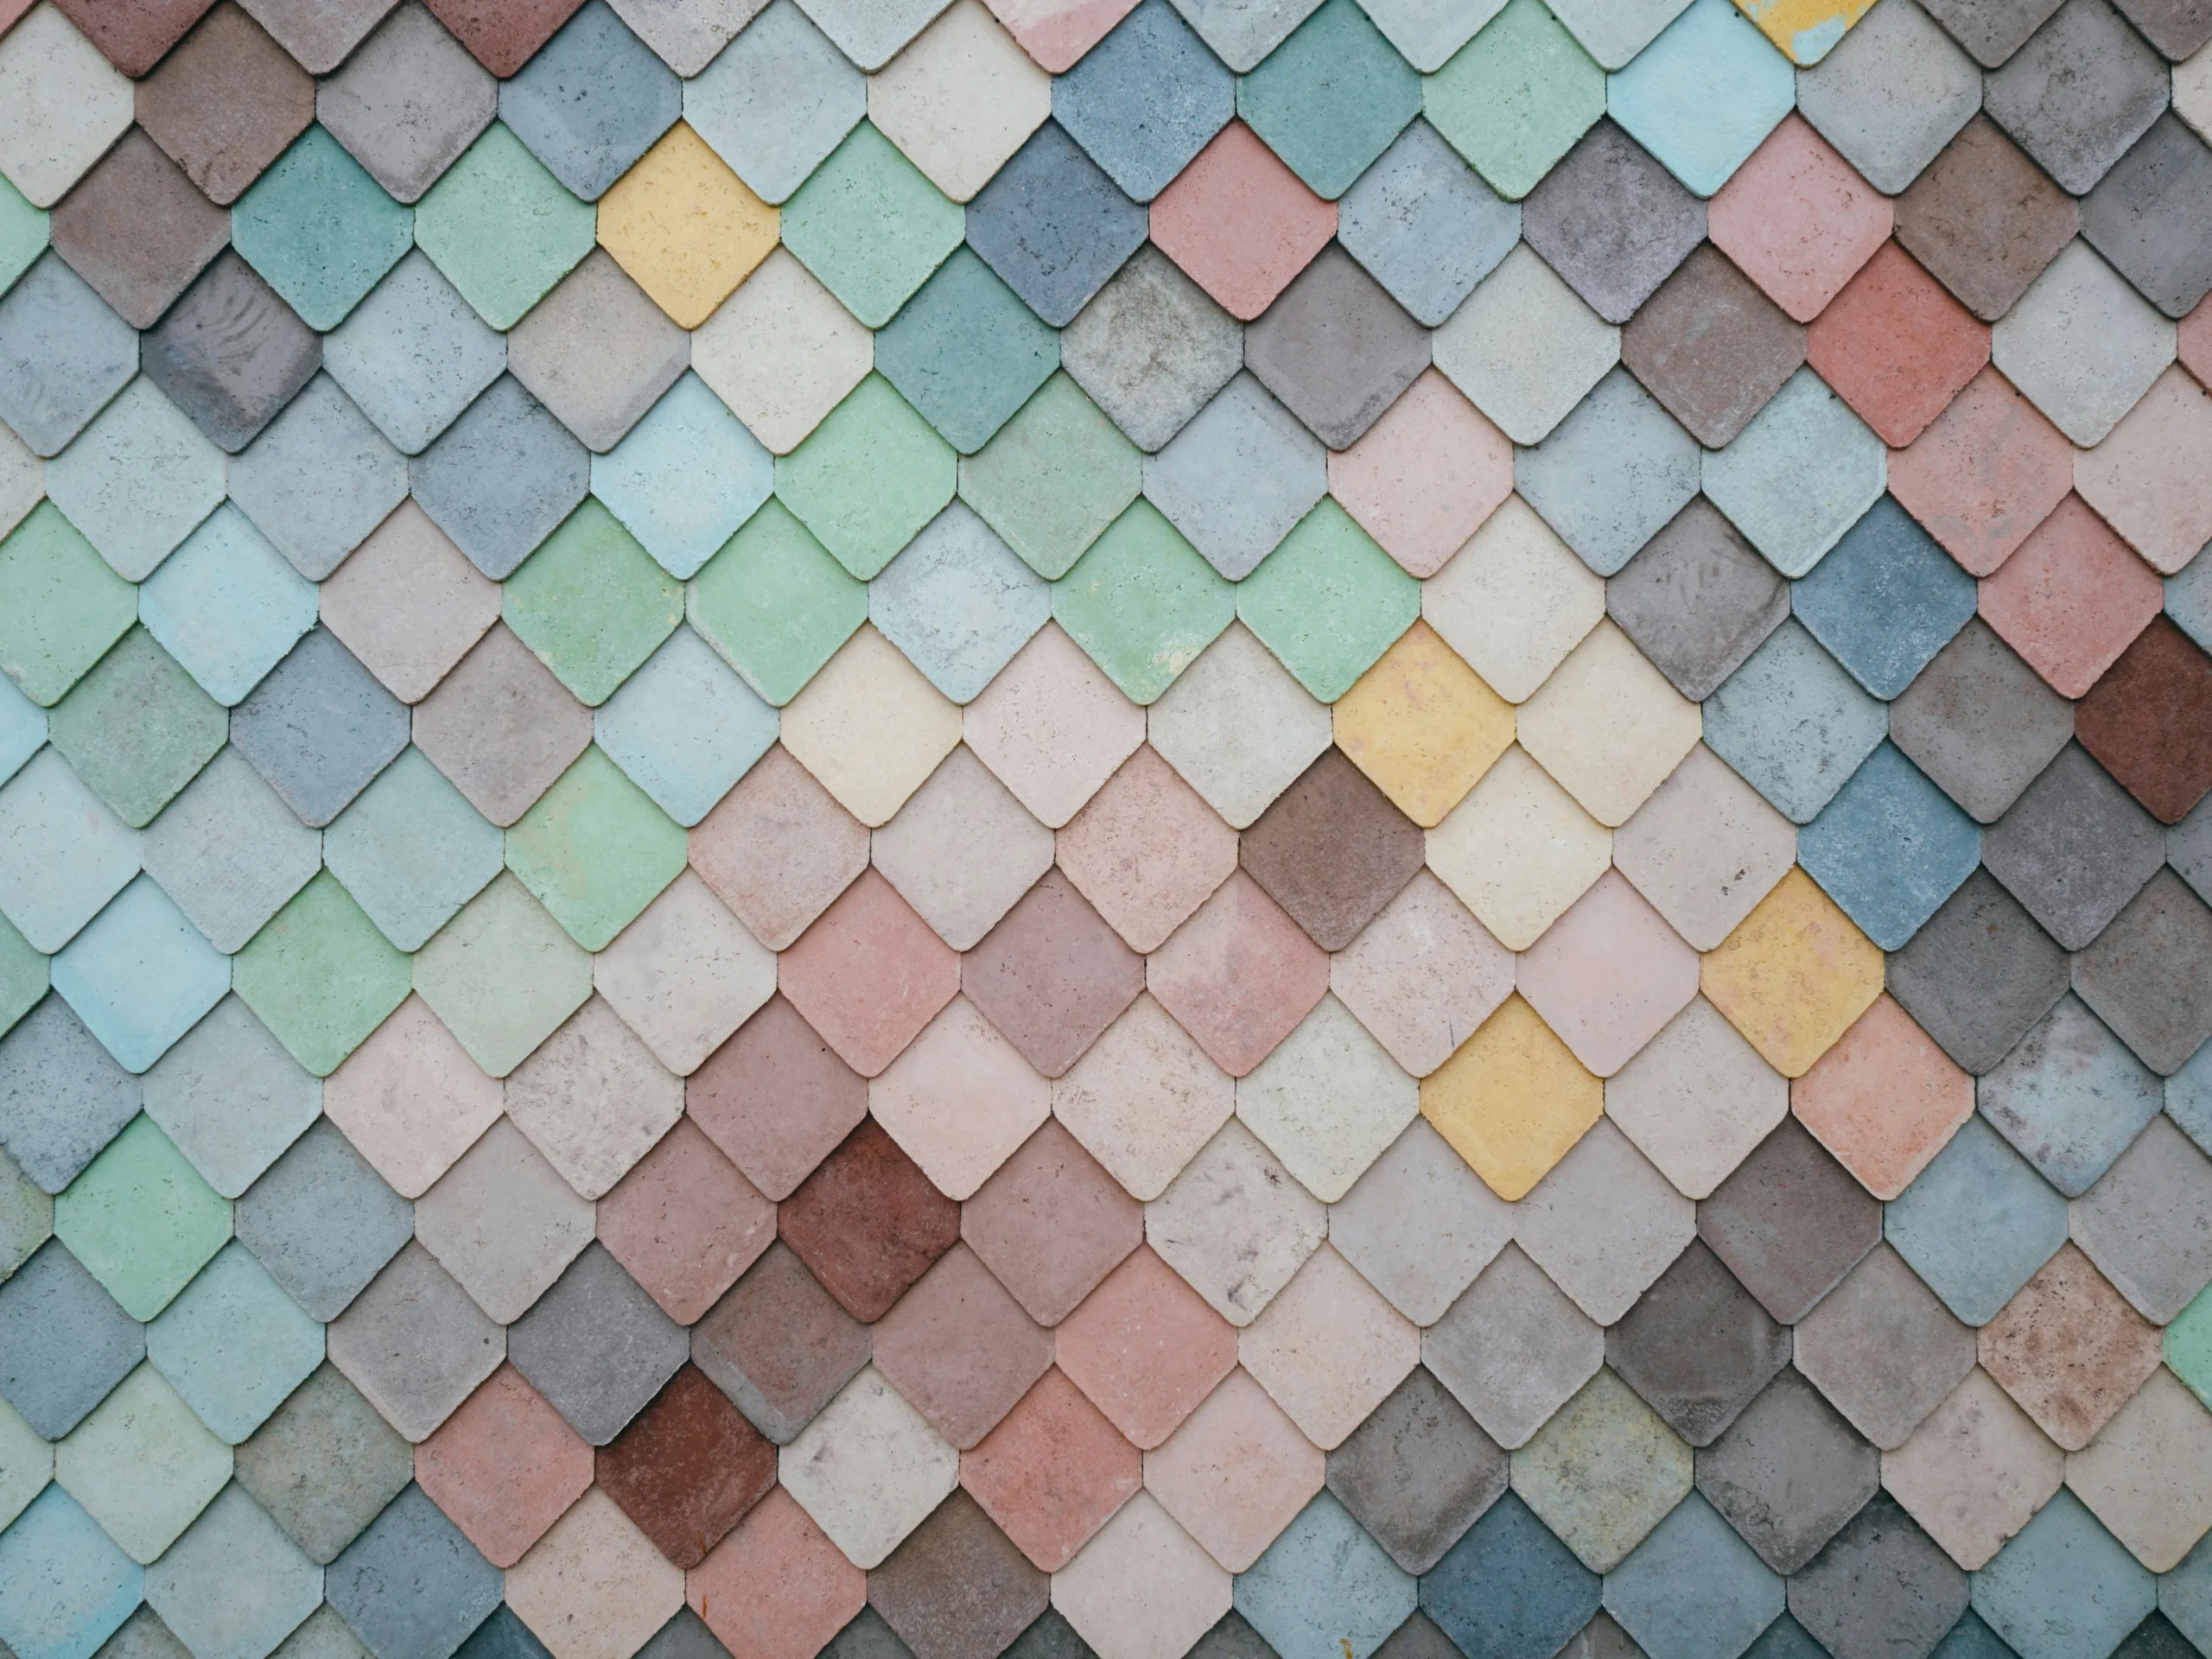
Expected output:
(1697, 1099)
(958, 1585)
(1996, 36)
(1423, 975)
(1525, 349)
(595, 1585)
(591, 101)
(1324, 1573)
(1697, 600)
(69, 104)
(2135, 1223)
(1242, 35)
(1693, 1582)
(1987, 259)
(1519, 851)
(1603, 1473)
(825, 225)
(927, 1098)
(2138, 722)
(324, 1465)
(410, 1099)
(1237, 478)
(412, 851)
(1881, 1573)
(1053, 225)
(688, 433)
(777, 1345)
(1608, 726)
(1924, 599)
(234, 1536)
(1144, 100)
(869, 1223)
(1890, 848)
(2135, 1477)
(1897, 346)
(28, 1218)
(1240, 222)
(1607, 975)
(357, 479)
(1884, 1099)
(414, 1344)
(1711, 347)
(1882, 1349)
(962, 60)
(1942, 720)
(2077, 132)
(321, 976)
(1603, 1266)
(2043, 345)
(1980, 939)
(2037, 848)
(2158, 177)
(1696, 1346)
(1790, 1222)
(1146, 850)
(1425, 477)
(1328, 1349)
(1050, 1223)
(596, 1346)
(836, 972)
(1332, 849)
(774, 104)
(1235, 1473)
(560, 1097)
(1238, 727)
(414, 354)
(1145, 1349)
(226, 103)
(1239, 976)
(868, 37)
(1514, 601)
(1793, 724)
(318, 229)
(503, 1221)
(1512, 1099)
(142, 1465)
(776, 1585)
(500, 225)
(499, 725)
(408, 604)
(1052, 1474)
(68, 855)
(1977, 1184)
(231, 1098)
(505, 1466)
(63, 354)
(227, 605)
(1513, 1348)
(2063, 1559)
(2155, 509)
(1557, 1595)
(1418, 1472)
(1234, 1225)
(319, 726)
(1145, 1099)
(501, 478)
(136, 762)
(1606, 525)
(778, 849)
(324, 1222)
(869, 1469)
(776, 1099)
(408, 102)
(960, 1349)
(1790, 1473)
(1610, 220)
(957, 603)
(76, 1344)
(1331, 99)
(137, 481)
(414, 1578)
(1426, 225)
(685, 1224)
(137, 230)
(1890, 95)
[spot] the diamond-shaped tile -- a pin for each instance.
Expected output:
(1515, 99)
(1144, 1099)
(501, 228)
(927, 1100)
(869, 226)
(1235, 1517)
(1241, 223)
(142, 1465)
(413, 1576)
(1882, 1349)
(1697, 1099)
(1884, 1099)
(1151, 348)
(67, 354)
(1987, 258)
(502, 975)
(1603, 1473)
(1053, 225)
(414, 355)
(1703, 94)
(69, 1343)
(1977, 1223)
(2078, 132)
(869, 1469)
(593, 1058)
(2082, 345)
(325, 1464)
(408, 100)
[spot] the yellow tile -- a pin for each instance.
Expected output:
(1423, 725)
(1806, 29)
(1513, 1101)
(1794, 976)
(685, 227)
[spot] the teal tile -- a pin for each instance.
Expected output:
(1801, 475)
(141, 1220)
(234, 1344)
(966, 352)
(2063, 1588)
(22, 234)
(1976, 1223)
(1692, 1589)
(1793, 724)
(65, 1587)
(319, 229)
(1330, 99)
(2071, 1096)
(1514, 100)
(501, 227)
(1890, 848)
(866, 479)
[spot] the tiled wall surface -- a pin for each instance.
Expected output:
(1101, 830)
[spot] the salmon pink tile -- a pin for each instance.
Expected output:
(779, 849)
(1984, 474)
(1241, 223)
(1235, 1473)
(1425, 476)
(1145, 1349)
(1884, 1099)
(505, 1466)
(1895, 346)
(776, 1588)
(1053, 1472)
(2146, 478)
(868, 975)
(776, 1099)
(1146, 850)
(685, 1223)
(959, 1100)
(1239, 976)
(2071, 598)
(1050, 1223)
(1797, 219)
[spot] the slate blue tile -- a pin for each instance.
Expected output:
(958, 602)
(1508, 1589)
(232, 1098)
(1146, 99)
(686, 1637)
(1325, 1588)
(63, 854)
(65, 1587)
(322, 1221)
(1793, 724)
(1704, 94)
(229, 851)
(1694, 1589)
(503, 1637)
(319, 727)
(1803, 472)
(1976, 1223)
(2070, 1097)
(234, 1584)
(140, 975)
(63, 1343)
(684, 728)
(1885, 600)
(1785, 1639)
(966, 352)
(234, 1344)
(2185, 1595)
(501, 478)
(776, 101)
(412, 1586)
(1238, 477)
(1610, 476)
(684, 478)
(1424, 225)
(1889, 848)
(2188, 601)
(2189, 1102)
(319, 479)
(591, 101)
(412, 850)
(1053, 225)
(63, 354)
(23, 728)
(227, 605)
(414, 354)
(1971, 1638)
(62, 1095)
(2063, 1588)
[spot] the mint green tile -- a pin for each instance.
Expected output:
(1053, 478)
(22, 976)
(1143, 603)
(867, 478)
(501, 228)
(141, 1219)
(1328, 601)
(1514, 100)
(502, 975)
(22, 234)
(142, 1465)
(320, 975)
(137, 728)
(319, 229)
(2189, 1345)
(595, 851)
(775, 604)
(592, 603)
(60, 606)
(870, 227)
(1330, 99)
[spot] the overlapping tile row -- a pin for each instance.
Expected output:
(1071, 828)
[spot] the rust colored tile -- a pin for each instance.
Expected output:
(2071, 598)
(2149, 721)
(869, 974)
(1239, 976)
(688, 1468)
(685, 1223)
(779, 1345)
(960, 1350)
(1050, 1223)
(1147, 850)
(868, 1223)
(136, 231)
(503, 34)
(1241, 223)
(1333, 850)
(226, 102)
(776, 1099)
(1146, 1348)
(133, 33)
(779, 849)
(1052, 976)
(957, 1587)
(1984, 474)
(1897, 346)
(1985, 219)
(505, 1466)
(2069, 1348)
(1053, 1472)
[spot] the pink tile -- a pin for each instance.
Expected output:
(1608, 974)
(685, 1222)
(1984, 475)
(959, 1348)
(1238, 975)
(776, 1099)
(1240, 222)
(1052, 976)
(2072, 598)
(1884, 1099)
(1146, 850)
(2195, 340)
(1057, 33)
(505, 1466)
(1053, 1472)
(869, 975)
(1798, 220)
(1050, 1223)
(1235, 1473)
(779, 849)
(1426, 475)
(1145, 1349)
(776, 1588)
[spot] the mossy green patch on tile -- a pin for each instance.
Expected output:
(966, 352)
(1328, 601)
(1143, 603)
(61, 606)
(501, 227)
(1053, 477)
(320, 975)
(502, 975)
(137, 728)
(1330, 99)
(141, 1219)
(867, 478)
(1514, 100)
(1603, 1472)
(319, 229)
(22, 234)
(592, 603)
(870, 227)
(22, 976)
(775, 604)
(595, 850)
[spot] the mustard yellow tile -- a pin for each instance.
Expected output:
(1423, 725)
(1807, 30)
(1513, 1100)
(1794, 976)
(685, 226)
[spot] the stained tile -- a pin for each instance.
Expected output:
(1883, 1349)
(1611, 222)
(324, 1465)
(1890, 95)
(2157, 1012)
(408, 102)
(2135, 1223)
(1603, 1473)
(2075, 132)
(1235, 1224)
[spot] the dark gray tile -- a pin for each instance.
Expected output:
(1418, 1471)
(1978, 974)
(1788, 1473)
(412, 1586)
(2079, 93)
(1882, 1586)
(230, 352)
(2152, 216)
(2149, 976)
(1698, 599)
(1697, 1347)
(1790, 1222)
(1613, 221)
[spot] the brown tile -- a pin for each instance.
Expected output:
(1711, 347)
(501, 726)
(1052, 1471)
(1050, 1223)
(1696, 1346)
(1333, 850)
(503, 34)
(683, 1223)
(867, 1223)
(136, 231)
(779, 1345)
(505, 1466)
(869, 975)
(960, 1350)
(1790, 1222)
(779, 849)
(688, 1468)
(1052, 976)
(226, 102)
(1985, 219)
(1895, 347)
(2069, 1348)
(1145, 1349)
(134, 33)
(2149, 720)
(1240, 975)
(776, 1099)
(957, 1588)
(1147, 850)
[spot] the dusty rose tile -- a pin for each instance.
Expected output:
(1797, 219)
(1328, 1349)
(1053, 1472)
(1423, 477)
(776, 1099)
(1146, 850)
(503, 34)
(1236, 1473)
(2070, 600)
(1975, 1471)
(779, 1345)
(868, 975)
(1050, 1222)
(1238, 975)
(778, 849)
(1052, 727)
(505, 1466)
(408, 603)
(2141, 478)
(1984, 474)
(776, 1588)
(1897, 346)
(959, 1348)
(685, 1223)
(1144, 1099)
(1422, 976)
(410, 1100)
(868, 1223)
(1052, 976)
(1145, 1349)
(959, 1099)
(132, 33)
(2069, 1348)
(1333, 849)
(1608, 974)
(1240, 222)
(958, 1586)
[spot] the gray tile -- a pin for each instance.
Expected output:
(777, 101)
(319, 479)
(1992, 29)
(869, 1638)
(1891, 94)
(2177, 28)
(1051, 1637)
(230, 352)
(1151, 348)
(1882, 1586)
(1790, 1222)
(501, 478)
(2189, 848)
(591, 101)
(230, 852)
(1980, 722)
(597, 1346)
(597, 353)
(685, 1637)
(63, 1343)
(63, 354)
(1698, 599)
(325, 1464)
(2152, 217)
(1711, 347)
(1513, 1348)
(231, 1098)
(1336, 348)
(1985, 219)
(409, 101)
(1424, 225)
(1884, 1349)
(2069, 1097)
(779, 1345)
(1788, 1473)
(2149, 976)
(320, 728)
(1613, 221)
(412, 1586)
(322, 1636)
(1237, 478)
(414, 1344)
(62, 1095)
(1054, 227)
(143, 1635)
(1418, 1471)
(2079, 93)
(1697, 1346)
(1612, 474)
(2147, 1223)
(1146, 99)
(501, 728)
(1793, 723)
(1978, 974)
(324, 1222)
(1977, 1223)
(1693, 1586)
(2074, 848)
(414, 354)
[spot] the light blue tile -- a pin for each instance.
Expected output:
(1611, 475)
(2063, 1588)
(1238, 477)
(227, 605)
(318, 478)
(591, 101)
(1890, 848)
(1704, 94)
(415, 354)
(684, 478)
(1885, 600)
(234, 1344)
(62, 1098)
(1146, 99)
(412, 850)
(234, 1586)
(2069, 1097)
(1793, 724)
(2188, 1102)
(2188, 600)
(232, 1098)
(2185, 1595)
(776, 102)
(23, 728)
(65, 1587)
(324, 1222)
(63, 854)
(230, 852)
(1802, 473)
(1976, 1223)
(1426, 225)
(1692, 1589)
(140, 975)
(684, 728)
(958, 602)
(1326, 1589)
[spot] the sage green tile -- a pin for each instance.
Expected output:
(870, 227)
(592, 603)
(141, 1219)
(1514, 100)
(26, 1221)
(1143, 603)
(22, 976)
(1328, 601)
(137, 728)
(595, 850)
(22, 234)
(320, 975)
(502, 228)
(502, 975)
(1603, 1471)
(775, 604)
(60, 606)
(142, 1465)
(1053, 478)
(868, 477)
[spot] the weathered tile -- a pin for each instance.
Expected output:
(1644, 1225)
(1603, 1473)
(1890, 95)
(596, 1346)
(505, 1466)
(324, 1465)
(2076, 133)
(1705, 849)
(2157, 1010)
(1789, 1474)
(503, 1223)
(137, 230)
(1611, 222)
(69, 102)
(1692, 1581)
(1604, 517)
(869, 1469)
(1235, 1225)
(1881, 1574)
(1977, 1223)
(1697, 1099)
(1524, 347)
(2044, 345)
(2137, 1223)
(1884, 1099)
(1712, 348)
(1235, 1473)
(1558, 1595)
(2063, 1559)
(2140, 720)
